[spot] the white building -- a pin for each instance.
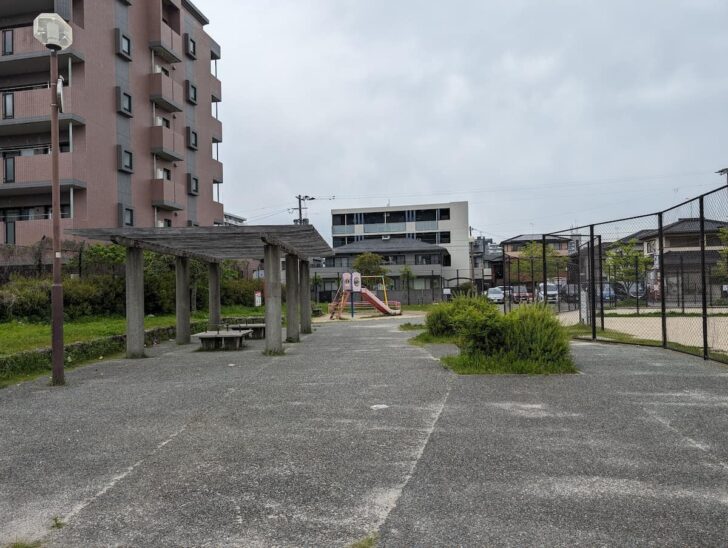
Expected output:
(444, 224)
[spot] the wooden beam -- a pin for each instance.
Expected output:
(157, 248)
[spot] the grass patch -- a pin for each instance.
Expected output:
(504, 364)
(409, 326)
(23, 544)
(581, 331)
(417, 307)
(368, 542)
(57, 523)
(274, 353)
(426, 338)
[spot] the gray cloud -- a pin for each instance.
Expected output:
(543, 113)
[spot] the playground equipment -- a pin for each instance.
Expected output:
(345, 297)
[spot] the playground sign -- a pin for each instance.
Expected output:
(258, 299)
(346, 281)
(356, 282)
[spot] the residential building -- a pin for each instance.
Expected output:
(444, 225)
(234, 220)
(487, 260)
(513, 247)
(139, 133)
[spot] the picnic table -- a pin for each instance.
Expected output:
(226, 339)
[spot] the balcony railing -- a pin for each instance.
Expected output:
(29, 232)
(35, 169)
(167, 144)
(217, 171)
(342, 229)
(425, 225)
(164, 195)
(216, 89)
(166, 43)
(385, 227)
(166, 93)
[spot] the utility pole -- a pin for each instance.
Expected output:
(302, 205)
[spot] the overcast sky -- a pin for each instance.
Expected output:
(541, 113)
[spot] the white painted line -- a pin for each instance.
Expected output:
(379, 406)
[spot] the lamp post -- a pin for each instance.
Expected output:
(54, 33)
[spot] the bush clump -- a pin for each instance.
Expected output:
(528, 340)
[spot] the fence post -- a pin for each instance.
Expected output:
(637, 282)
(703, 277)
(578, 278)
(592, 283)
(601, 284)
(681, 287)
(432, 286)
(663, 296)
(505, 282)
(545, 271)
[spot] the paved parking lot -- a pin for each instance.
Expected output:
(354, 431)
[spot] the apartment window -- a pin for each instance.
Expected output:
(10, 232)
(9, 169)
(128, 216)
(123, 45)
(8, 42)
(8, 105)
(190, 46)
(192, 138)
(193, 184)
(167, 223)
(167, 174)
(125, 159)
(124, 102)
(191, 93)
(444, 237)
(165, 122)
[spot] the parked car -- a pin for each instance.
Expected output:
(552, 293)
(495, 295)
(630, 290)
(519, 293)
(569, 293)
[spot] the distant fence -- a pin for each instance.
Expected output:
(658, 279)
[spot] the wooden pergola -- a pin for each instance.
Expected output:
(213, 245)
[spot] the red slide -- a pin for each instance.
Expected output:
(377, 303)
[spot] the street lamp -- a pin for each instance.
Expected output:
(54, 33)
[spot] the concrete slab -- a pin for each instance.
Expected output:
(354, 431)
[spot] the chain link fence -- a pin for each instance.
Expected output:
(659, 279)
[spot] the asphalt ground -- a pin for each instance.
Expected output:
(353, 432)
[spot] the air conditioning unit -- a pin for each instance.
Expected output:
(160, 223)
(157, 69)
(158, 121)
(386, 237)
(160, 173)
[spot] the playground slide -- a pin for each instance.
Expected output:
(377, 303)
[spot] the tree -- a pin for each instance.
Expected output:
(316, 282)
(722, 270)
(369, 264)
(406, 276)
(555, 264)
(628, 264)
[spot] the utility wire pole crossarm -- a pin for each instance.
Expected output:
(302, 205)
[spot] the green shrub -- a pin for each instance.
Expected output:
(439, 320)
(239, 292)
(481, 329)
(534, 333)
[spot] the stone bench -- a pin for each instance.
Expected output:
(257, 329)
(223, 340)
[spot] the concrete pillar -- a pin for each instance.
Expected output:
(273, 331)
(134, 302)
(293, 298)
(305, 290)
(213, 276)
(183, 300)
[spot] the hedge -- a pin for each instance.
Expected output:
(39, 361)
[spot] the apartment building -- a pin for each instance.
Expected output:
(444, 225)
(139, 133)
